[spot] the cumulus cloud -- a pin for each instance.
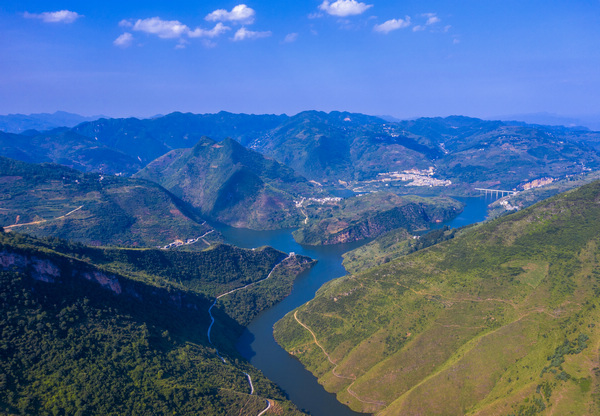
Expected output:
(173, 29)
(164, 29)
(61, 16)
(343, 8)
(124, 41)
(393, 24)
(239, 14)
(290, 37)
(218, 30)
(244, 34)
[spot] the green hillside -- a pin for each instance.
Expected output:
(232, 184)
(500, 320)
(124, 331)
(149, 139)
(391, 245)
(354, 148)
(52, 200)
(68, 148)
(329, 147)
(371, 215)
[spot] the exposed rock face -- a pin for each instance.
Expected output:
(61, 271)
(110, 282)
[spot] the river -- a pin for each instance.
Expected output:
(257, 343)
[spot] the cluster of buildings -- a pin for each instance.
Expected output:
(416, 177)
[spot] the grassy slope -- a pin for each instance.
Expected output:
(467, 326)
(114, 210)
(391, 245)
(91, 331)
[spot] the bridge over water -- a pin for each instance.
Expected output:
(495, 192)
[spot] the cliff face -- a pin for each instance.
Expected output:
(53, 269)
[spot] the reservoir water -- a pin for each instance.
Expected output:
(257, 343)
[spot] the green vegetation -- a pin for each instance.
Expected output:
(52, 200)
(371, 215)
(68, 148)
(211, 272)
(232, 184)
(80, 338)
(394, 244)
(527, 198)
(501, 319)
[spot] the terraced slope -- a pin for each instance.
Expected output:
(500, 320)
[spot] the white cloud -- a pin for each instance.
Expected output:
(239, 14)
(431, 19)
(218, 30)
(61, 16)
(343, 8)
(124, 41)
(418, 28)
(164, 29)
(290, 37)
(173, 29)
(243, 34)
(393, 24)
(125, 23)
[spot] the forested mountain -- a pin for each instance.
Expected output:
(468, 151)
(337, 149)
(53, 200)
(150, 138)
(232, 184)
(67, 148)
(344, 146)
(500, 319)
(123, 331)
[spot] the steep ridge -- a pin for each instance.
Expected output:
(499, 320)
(102, 331)
(232, 184)
(53, 200)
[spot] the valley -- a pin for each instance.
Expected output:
(466, 324)
(244, 221)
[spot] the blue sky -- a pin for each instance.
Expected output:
(402, 58)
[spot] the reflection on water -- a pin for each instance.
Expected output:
(257, 343)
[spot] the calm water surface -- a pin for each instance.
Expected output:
(257, 343)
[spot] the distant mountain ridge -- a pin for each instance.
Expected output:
(18, 123)
(338, 149)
